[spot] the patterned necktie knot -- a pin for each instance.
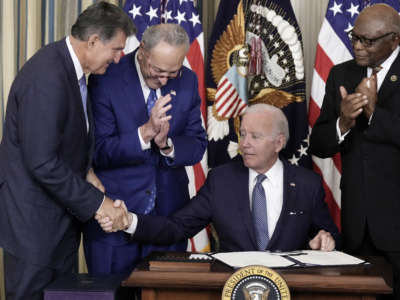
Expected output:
(375, 70)
(260, 178)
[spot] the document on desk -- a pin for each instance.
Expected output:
(303, 258)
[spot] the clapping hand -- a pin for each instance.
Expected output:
(158, 117)
(351, 107)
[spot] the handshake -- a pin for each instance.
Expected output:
(113, 216)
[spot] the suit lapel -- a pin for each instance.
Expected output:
(73, 81)
(91, 131)
(242, 196)
(354, 75)
(136, 99)
(391, 82)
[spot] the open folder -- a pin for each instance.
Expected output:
(303, 258)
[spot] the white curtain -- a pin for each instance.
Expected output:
(309, 14)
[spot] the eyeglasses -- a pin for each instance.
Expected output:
(364, 41)
(159, 72)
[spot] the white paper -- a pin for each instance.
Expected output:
(302, 258)
(327, 258)
(243, 259)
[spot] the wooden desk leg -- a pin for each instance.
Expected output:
(148, 294)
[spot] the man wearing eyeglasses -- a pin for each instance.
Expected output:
(147, 129)
(360, 118)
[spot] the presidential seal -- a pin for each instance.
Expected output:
(255, 283)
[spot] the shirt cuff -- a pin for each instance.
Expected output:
(172, 153)
(339, 134)
(132, 228)
(143, 145)
(370, 119)
(104, 198)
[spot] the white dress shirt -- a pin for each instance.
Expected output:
(273, 187)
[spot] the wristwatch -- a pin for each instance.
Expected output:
(168, 145)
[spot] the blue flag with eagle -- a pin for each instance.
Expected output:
(255, 56)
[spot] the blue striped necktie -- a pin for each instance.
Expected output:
(151, 100)
(259, 212)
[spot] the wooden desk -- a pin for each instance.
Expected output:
(346, 283)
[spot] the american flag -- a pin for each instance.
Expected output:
(150, 12)
(334, 47)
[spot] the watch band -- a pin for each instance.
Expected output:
(168, 146)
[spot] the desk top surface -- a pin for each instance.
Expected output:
(374, 277)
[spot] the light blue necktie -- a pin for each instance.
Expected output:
(259, 212)
(151, 100)
(83, 89)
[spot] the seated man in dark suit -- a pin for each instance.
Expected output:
(260, 203)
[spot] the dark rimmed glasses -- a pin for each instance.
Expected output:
(365, 41)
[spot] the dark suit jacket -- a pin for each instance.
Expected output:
(44, 157)
(128, 172)
(224, 201)
(370, 157)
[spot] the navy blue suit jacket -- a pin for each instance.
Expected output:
(224, 201)
(128, 172)
(45, 154)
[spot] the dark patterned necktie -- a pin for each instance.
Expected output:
(259, 212)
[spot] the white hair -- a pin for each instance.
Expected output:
(281, 122)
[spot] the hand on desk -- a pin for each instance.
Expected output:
(322, 241)
(114, 212)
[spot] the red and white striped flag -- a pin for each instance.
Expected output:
(334, 47)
